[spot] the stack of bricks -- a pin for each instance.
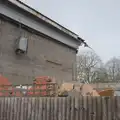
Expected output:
(6, 88)
(42, 86)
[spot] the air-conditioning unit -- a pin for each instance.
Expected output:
(21, 45)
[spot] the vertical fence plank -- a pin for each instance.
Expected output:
(76, 109)
(11, 108)
(86, 108)
(72, 107)
(94, 108)
(109, 109)
(15, 109)
(48, 109)
(65, 109)
(40, 112)
(104, 108)
(33, 107)
(68, 108)
(22, 108)
(37, 108)
(7, 108)
(84, 111)
(99, 110)
(27, 108)
(90, 107)
(30, 109)
(106, 103)
(117, 105)
(113, 108)
(81, 108)
(18, 108)
(51, 108)
(3, 108)
(43, 109)
(55, 108)
(78, 116)
(43, 106)
(60, 110)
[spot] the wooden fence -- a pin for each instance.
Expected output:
(37, 108)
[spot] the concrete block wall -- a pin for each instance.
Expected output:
(44, 56)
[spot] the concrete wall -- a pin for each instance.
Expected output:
(44, 57)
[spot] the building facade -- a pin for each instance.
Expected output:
(51, 48)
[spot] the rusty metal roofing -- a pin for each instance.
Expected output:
(43, 17)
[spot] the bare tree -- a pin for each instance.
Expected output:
(87, 62)
(113, 69)
(100, 75)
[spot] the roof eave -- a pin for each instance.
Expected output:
(44, 18)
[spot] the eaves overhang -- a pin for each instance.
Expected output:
(73, 40)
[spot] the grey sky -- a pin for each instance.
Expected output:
(97, 21)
